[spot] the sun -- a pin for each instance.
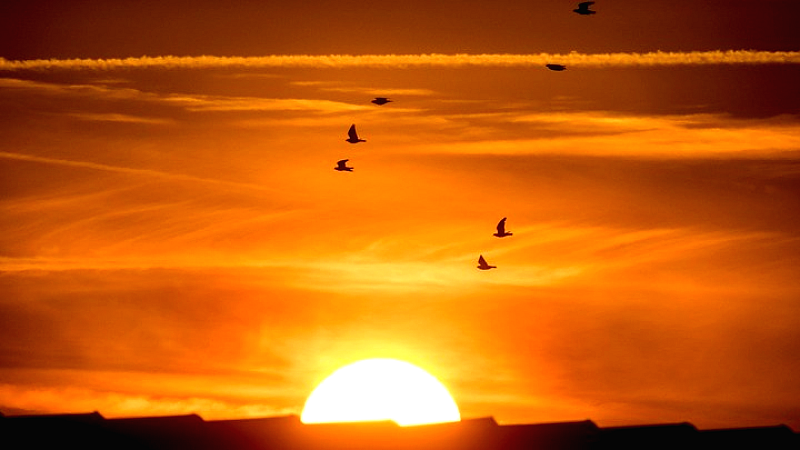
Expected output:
(380, 389)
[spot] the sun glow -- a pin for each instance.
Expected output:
(380, 389)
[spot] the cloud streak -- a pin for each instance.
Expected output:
(601, 134)
(187, 101)
(129, 170)
(650, 59)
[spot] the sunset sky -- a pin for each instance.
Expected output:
(174, 239)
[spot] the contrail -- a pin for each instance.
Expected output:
(129, 170)
(573, 59)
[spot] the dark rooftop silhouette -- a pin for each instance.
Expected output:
(678, 435)
(93, 431)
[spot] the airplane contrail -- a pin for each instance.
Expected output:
(574, 59)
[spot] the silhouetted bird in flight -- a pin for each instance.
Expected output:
(352, 136)
(483, 265)
(583, 8)
(501, 229)
(381, 100)
(556, 67)
(342, 166)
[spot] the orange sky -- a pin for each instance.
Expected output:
(173, 238)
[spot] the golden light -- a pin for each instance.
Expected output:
(380, 389)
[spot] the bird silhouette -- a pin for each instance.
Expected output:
(352, 136)
(501, 229)
(483, 265)
(381, 100)
(583, 8)
(556, 67)
(341, 165)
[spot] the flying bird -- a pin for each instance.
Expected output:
(352, 136)
(483, 265)
(381, 100)
(342, 166)
(583, 8)
(556, 67)
(501, 229)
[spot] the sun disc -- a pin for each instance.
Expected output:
(380, 389)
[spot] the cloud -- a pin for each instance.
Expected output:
(189, 102)
(74, 89)
(333, 87)
(407, 61)
(41, 400)
(120, 118)
(211, 103)
(606, 134)
(131, 170)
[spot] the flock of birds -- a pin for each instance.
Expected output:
(352, 137)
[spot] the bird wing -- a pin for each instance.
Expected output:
(501, 226)
(482, 261)
(342, 163)
(352, 132)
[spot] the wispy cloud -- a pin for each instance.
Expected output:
(210, 103)
(124, 404)
(130, 170)
(73, 89)
(120, 118)
(604, 134)
(189, 102)
(333, 86)
(419, 60)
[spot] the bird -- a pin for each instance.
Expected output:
(381, 100)
(341, 165)
(556, 67)
(352, 136)
(583, 8)
(501, 229)
(483, 265)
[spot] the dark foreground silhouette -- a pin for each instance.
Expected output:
(93, 431)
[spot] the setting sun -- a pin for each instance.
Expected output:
(381, 389)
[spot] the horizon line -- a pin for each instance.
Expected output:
(400, 61)
(489, 420)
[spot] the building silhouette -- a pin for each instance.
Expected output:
(93, 431)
